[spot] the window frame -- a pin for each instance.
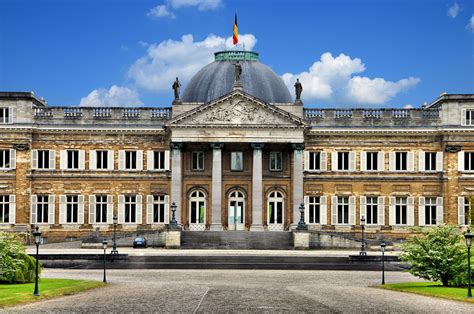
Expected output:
(5, 118)
(314, 207)
(429, 210)
(132, 206)
(396, 161)
(72, 205)
(236, 153)
(103, 204)
(341, 206)
(278, 161)
(100, 161)
(197, 156)
(401, 206)
(375, 159)
(5, 159)
(5, 202)
(44, 202)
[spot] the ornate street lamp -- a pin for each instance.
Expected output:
(104, 246)
(301, 224)
(382, 246)
(114, 246)
(173, 222)
(362, 244)
(37, 235)
(468, 237)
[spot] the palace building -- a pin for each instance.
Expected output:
(234, 152)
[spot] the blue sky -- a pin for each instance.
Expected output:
(361, 53)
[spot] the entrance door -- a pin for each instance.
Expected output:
(236, 211)
(197, 211)
(275, 211)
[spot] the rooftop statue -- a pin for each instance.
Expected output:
(238, 71)
(176, 86)
(298, 89)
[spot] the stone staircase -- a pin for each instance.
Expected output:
(236, 240)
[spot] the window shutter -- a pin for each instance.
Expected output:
(91, 209)
(92, 159)
(391, 161)
(110, 209)
(167, 209)
(34, 159)
(352, 210)
(63, 159)
(411, 161)
(121, 209)
(363, 162)
(306, 209)
(139, 209)
(363, 207)
(463, 117)
(149, 160)
(461, 211)
(80, 214)
(139, 160)
(82, 159)
(167, 160)
(461, 161)
(52, 159)
(52, 209)
(33, 207)
(334, 161)
(10, 114)
(411, 211)
(352, 161)
(12, 202)
(391, 211)
(439, 161)
(381, 210)
(149, 209)
(121, 165)
(421, 161)
(324, 161)
(62, 209)
(421, 211)
(324, 210)
(334, 210)
(12, 159)
(381, 161)
(439, 211)
(306, 160)
(110, 160)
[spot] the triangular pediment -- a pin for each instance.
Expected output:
(237, 109)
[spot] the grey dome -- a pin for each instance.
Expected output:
(217, 78)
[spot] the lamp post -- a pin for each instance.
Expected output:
(301, 224)
(37, 235)
(468, 237)
(173, 222)
(114, 246)
(362, 244)
(104, 246)
(382, 246)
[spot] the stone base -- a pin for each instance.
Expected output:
(173, 240)
(216, 227)
(301, 240)
(256, 228)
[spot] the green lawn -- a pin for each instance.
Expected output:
(432, 289)
(48, 288)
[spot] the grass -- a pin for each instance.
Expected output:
(49, 288)
(432, 289)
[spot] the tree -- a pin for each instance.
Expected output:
(437, 254)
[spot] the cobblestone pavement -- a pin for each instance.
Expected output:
(204, 291)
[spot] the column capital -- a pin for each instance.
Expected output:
(217, 145)
(258, 146)
(176, 145)
(298, 146)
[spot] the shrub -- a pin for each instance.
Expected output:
(15, 265)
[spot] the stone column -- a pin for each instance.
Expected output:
(216, 187)
(297, 175)
(176, 178)
(257, 188)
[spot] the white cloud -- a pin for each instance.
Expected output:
(202, 5)
(160, 11)
(116, 96)
(408, 106)
(179, 58)
(454, 10)
(331, 79)
(470, 25)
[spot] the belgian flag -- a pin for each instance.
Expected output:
(235, 35)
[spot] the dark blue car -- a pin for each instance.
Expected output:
(139, 242)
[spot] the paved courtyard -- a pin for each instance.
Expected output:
(203, 291)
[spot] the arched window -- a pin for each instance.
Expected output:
(275, 210)
(236, 210)
(197, 210)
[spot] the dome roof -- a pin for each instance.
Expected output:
(217, 79)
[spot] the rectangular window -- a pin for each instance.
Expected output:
(72, 208)
(469, 117)
(276, 161)
(4, 159)
(4, 209)
(430, 161)
(197, 160)
(43, 159)
(102, 160)
(314, 209)
(469, 161)
(130, 160)
(372, 161)
(401, 161)
(314, 160)
(159, 160)
(343, 161)
(73, 159)
(4, 115)
(158, 208)
(430, 211)
(372, 210)
(343, 210)
(467, 211)
(42, 209)
(101, 209)
(236, 161)
(401, 210)
(130, 207)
